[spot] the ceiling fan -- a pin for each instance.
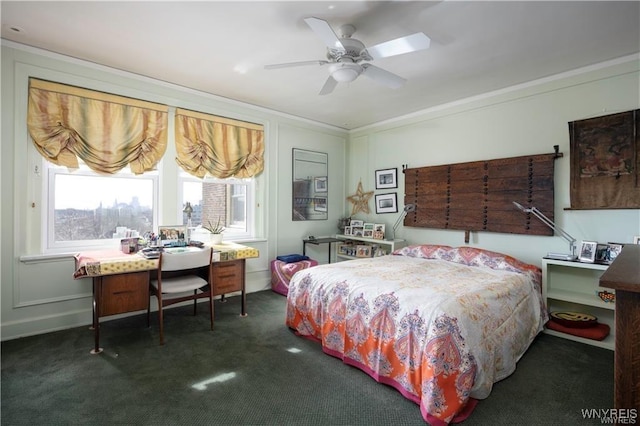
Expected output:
(345, 55)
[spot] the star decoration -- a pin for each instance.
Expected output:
(360, 200)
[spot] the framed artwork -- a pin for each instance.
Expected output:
(320, 204)
(320, 184)
(387, 178)
(588, 251)
(386, 203)
(604, 166)
(171, 234)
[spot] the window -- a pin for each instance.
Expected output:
(85, 208)
(229, 200)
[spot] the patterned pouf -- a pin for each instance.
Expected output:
(281, 273)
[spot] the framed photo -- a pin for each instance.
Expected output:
(614, 251)
(347, 230)
(367, 233)
(171, 234)
(387, 178)
(363, 251)
(368, 226)
(379, 227)
(320, 204)
(320, 184)
(378, 235)
(636, 239)
(602, 253)
(386, 203)
(588, 251)
(357, 231)
(356, 222)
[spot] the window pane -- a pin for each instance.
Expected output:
(211, 201)
(91, 207)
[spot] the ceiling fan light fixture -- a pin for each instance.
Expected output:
(345, 72)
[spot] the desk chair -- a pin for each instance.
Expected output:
(179, 273)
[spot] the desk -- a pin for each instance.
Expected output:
(624, 277)
(121, 281)
(319, 241)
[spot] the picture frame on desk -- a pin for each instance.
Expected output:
(588, 251)
(168, 234)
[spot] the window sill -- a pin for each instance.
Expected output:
(42, 258)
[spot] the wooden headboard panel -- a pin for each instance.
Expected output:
(479, 196)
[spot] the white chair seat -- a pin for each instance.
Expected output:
(180, 284)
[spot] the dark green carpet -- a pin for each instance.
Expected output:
(53, 380)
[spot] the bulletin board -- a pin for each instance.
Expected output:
(479, 196)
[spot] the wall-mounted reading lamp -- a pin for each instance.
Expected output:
(408, 208)
(572, 241)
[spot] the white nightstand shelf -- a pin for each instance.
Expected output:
(573, 286)
(387, 246)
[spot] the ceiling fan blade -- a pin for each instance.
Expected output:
(325, 32)
(295, 64)
(399, 46)
(328, 87)
(381, 76)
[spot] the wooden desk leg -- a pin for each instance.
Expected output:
(243, 312)
(97, 288)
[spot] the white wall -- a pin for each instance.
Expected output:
(39, 295)
(527, 120)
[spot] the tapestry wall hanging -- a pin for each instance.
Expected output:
(605, 162)
(480, 195)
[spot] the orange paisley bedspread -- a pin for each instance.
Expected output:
(440, 324)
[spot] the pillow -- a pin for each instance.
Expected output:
(291, 258)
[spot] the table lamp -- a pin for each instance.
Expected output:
(408, 208)
(544, 219)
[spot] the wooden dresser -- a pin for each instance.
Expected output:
(624, 277)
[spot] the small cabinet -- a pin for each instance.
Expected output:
(347, 249)
(123, 293)
(228, 276)
(574, 286)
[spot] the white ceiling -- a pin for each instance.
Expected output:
(222, 47)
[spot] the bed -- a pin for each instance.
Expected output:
(440, 324)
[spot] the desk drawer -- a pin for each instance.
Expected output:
(228, 276)
(124, 293)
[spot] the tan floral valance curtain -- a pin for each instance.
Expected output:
(218, 146)
(107, 132)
